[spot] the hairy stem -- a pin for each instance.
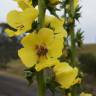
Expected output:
(40, 75)
(72, 31)
(41, 83)
(73, 47)
(42, 9)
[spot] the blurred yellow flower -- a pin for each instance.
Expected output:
(23, 4)
(40, 49)
(77, 81)
(9, 32)
(85, 94)
(75, 3)
(21, 21)
(54, 2)
(65, 74)
(56, 24)
(69, 94)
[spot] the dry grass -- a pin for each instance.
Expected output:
(15, 68)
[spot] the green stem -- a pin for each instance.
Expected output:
(41, 83)
(40, 75)
(72, 31)
(42, 9)
(73, 47)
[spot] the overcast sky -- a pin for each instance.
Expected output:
(87, 22)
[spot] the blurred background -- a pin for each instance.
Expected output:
(11, 65)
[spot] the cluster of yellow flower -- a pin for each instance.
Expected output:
(21, 20)
(42, 48)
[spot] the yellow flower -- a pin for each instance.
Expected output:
(9, 32)
(23, 4)
(77, 81)
(56, 24)
(85, 94)
(21, 21)
(40, 48)
(69, 94)
(54, 2)
(75, 3)
(65, 74)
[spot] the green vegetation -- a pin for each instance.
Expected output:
(8, 47)
(88, 63)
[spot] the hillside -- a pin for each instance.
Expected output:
(87, 48)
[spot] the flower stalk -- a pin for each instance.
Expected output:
(40, 75)
(42, 9)
(41, 83)
(72, 34)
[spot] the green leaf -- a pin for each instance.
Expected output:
(79, 37)
(34, 2)
(51, 84)
(29, 74)
(77, 13)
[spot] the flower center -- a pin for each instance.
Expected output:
(41, 50)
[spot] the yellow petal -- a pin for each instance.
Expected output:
(65, 74)
(44, 64)
(47, 20)
(75, 3)
(54, 2)
(23, 4)
(19, 32)
(56, 47)
(45, 35)
(60, 31)
(28, 57)
(30, 40)
(29, 15)
(13, 19)
(55, 22)
(77, 81)
(10, 33)
(85, 94)
(62, 67)
(69, 94)
(66, 79)
(22, 21)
